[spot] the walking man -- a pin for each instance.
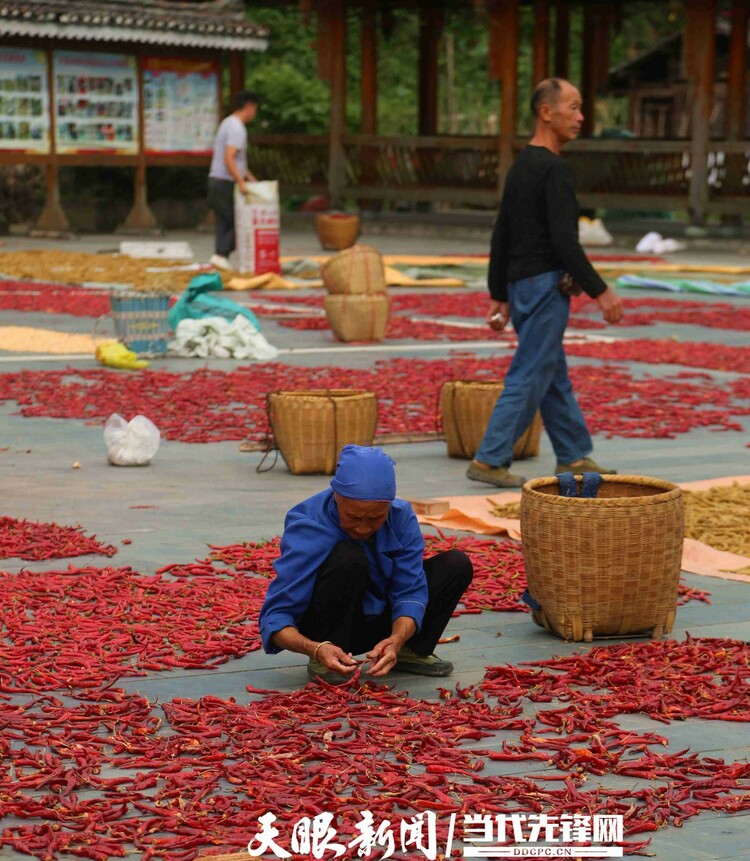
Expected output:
(352, 578)
(534, 245)
(229, 168)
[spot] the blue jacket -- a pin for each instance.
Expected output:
(311, 531)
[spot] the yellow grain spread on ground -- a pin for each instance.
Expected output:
(76, 267)
(24, 339)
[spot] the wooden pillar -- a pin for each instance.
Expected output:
(735, 108)
(596, 19)
(541, 42)
(52, 218)
(431, 22)
(335, 39)
(702, 17)
(140, 218)
(509, 27)
(562, 39)
(369, 70)
(236, 76)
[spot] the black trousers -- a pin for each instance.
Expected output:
(335, 612)
(221, 201)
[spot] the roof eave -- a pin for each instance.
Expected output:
(52, 30)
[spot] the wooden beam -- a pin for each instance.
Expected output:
(236, 76)
(510, 19)
(337, 117)
(541, 42)
(701, 15)
(735, 109)
(431, 22)
(495, 43)
(52, 217)
(323, 41)
(596, 21)
(140, 217)
(369, 69)
(562, 38)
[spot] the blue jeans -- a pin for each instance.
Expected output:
(537, 378)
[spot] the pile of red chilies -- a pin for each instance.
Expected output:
(483, 749)
(52, 298)
(499, 573)
(25, 539)
(84, 628)
(213, 406)
(641, 311)
(19, 295)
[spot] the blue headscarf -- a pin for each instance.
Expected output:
(365, 473)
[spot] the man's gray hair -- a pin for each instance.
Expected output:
(546, 92)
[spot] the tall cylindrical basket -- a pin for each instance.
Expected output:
(356, 270)
(310, 427)
(466, 407)
(337, 230)
(607, 566)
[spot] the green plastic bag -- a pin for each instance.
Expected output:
(198, 302)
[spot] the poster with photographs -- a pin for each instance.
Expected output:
(180, 105)
(24, 101)
(96, 103)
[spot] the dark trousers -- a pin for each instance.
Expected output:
(335, 612)
(221, 201)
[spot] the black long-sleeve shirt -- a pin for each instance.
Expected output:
(537, 227)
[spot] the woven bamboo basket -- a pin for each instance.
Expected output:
(358, 317)
(337, 230)
(608, 566)
(310, 427)
(356, 270)
(466, 407)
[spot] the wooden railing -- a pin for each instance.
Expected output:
(627, 174)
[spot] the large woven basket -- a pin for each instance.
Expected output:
(141, 321)
(337, 230)
(310, 427)
(362, 317)
(466, 407)
(608, 566)
(356, 270)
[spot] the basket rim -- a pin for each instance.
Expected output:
(474, 382)
(352, 249)
(669, 492)
(322, 393)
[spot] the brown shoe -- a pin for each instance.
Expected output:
(497, 476)
(588, 465)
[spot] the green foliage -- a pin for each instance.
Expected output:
(290, 100)
(296, 100)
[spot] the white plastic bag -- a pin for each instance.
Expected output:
(257, 220)
(131, 443)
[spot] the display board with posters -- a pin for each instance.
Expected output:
(180, 105)
(24, 101)
(96, 103)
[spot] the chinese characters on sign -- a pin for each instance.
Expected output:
(24, 101)
(180, 105)
(512, 835)
(96, 102)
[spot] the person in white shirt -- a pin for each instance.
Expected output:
(229, 167)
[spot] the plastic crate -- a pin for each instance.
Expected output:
(141, 321)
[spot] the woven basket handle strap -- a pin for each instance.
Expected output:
(589, 485)
(270, 441)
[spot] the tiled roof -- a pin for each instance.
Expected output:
(217, 24)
